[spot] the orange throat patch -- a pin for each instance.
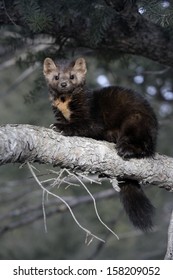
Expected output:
(63, 107)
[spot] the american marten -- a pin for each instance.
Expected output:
(112, 113)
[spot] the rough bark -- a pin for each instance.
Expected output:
(22, 143)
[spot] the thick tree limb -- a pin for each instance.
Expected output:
(22, 143)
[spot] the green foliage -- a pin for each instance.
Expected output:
(41, 16)
(159, 11)
(37, 18)
(71, 22)
(101, 18)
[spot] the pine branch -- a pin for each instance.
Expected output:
(122, 29)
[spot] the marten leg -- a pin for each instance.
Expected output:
(137, 137)
(111, 135)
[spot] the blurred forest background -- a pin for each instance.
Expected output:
(29, 32)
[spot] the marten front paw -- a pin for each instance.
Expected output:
(127, 151)
(55, 128)
(124, 152)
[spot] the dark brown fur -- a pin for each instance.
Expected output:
(114, 114)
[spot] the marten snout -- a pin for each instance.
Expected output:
(63, 84)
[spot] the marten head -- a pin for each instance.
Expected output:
(63, 77)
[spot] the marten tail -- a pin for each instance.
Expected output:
(137, 206)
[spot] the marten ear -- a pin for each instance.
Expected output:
(80, 66)
(48, 66)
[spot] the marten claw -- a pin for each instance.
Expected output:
(126, 154)
(126, 151)
(53, 126)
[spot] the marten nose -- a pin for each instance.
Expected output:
(64, 84)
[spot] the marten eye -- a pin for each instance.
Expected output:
(71, 77)
(56, 77)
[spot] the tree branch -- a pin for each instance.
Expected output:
(22, 143)
(147, 39)
(129, 32)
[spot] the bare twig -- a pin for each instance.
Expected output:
(5, 9)
(90, 194)
(60, 198)
(95, 207)
(84, 199)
